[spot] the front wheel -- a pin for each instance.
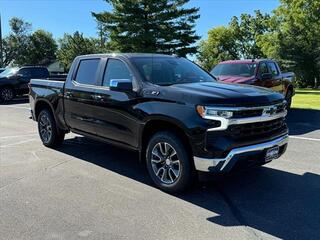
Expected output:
(6, 94)
(168, 163)
(50, 135)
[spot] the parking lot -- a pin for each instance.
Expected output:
(89, 190)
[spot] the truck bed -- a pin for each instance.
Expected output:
(48, 83)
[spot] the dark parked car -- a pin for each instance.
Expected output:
(14, 81)
(176, 115)
(264, 73)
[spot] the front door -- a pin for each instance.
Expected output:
(276, 77)
(114, 113)
(267, 83)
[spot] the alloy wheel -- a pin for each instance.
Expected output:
(165, 163)
(45, 128)
(6, 94)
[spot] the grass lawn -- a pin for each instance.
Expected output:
(306, 98)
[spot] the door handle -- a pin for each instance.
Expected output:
(98, 97)
(68, 95)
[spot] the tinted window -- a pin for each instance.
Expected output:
(40, 73)
(263, 68)
(9, 72)
(273, 69)
(169, 70)
(87, 71)
(115, 69)
(25, 72)
(234, 69)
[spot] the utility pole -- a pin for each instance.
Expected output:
(1, 49)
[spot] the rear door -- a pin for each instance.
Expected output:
(79, 95)
(114, 113)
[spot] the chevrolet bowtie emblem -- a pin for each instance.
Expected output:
(270, 110)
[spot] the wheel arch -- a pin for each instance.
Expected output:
(40, 105)
(157, 125)
(289, 88)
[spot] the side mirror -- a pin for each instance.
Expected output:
(121, 85)
(266, 76)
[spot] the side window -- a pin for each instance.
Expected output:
(25, 72)
(273, 68)
(115, 69)
(263, 68)
(40, 73)
(87, 70)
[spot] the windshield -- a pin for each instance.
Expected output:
(9, 72)
(168, 70)
(234, 69)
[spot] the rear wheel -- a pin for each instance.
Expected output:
(168, 162)
(6, 94)
(50, 135)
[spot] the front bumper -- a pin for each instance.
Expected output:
(236, 154)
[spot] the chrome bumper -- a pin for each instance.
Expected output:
(204, 164)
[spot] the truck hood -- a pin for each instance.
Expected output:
(235, 79)
(221, 94)
(4, 80)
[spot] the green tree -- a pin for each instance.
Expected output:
(247, 31)
(42, 48)
(16, 44)
(220, 46)
(22, 47)
(71, 46)
(298, 34)
(237, 40)
(150, 26)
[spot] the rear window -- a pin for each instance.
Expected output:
(87, 71)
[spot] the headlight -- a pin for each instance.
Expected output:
(213, 113)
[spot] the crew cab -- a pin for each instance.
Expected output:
(265, 73)
(14, 81)
(175, 114)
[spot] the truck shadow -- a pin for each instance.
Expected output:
(278, 203)
(302, 121)
(17, 100)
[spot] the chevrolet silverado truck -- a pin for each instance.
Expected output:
(14, 81)
(264, 73)
(171, 111)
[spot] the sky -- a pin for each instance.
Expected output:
(68, 16)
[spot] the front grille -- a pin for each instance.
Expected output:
(256, 129)
(248, 113)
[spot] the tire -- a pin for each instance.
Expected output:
(49, 134)
(6, 94)
(168, 163)
(289, 99)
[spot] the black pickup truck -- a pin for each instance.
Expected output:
(176, 115)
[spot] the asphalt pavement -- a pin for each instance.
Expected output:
(90, 190)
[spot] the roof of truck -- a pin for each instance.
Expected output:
(127, 55)
(244, 61)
